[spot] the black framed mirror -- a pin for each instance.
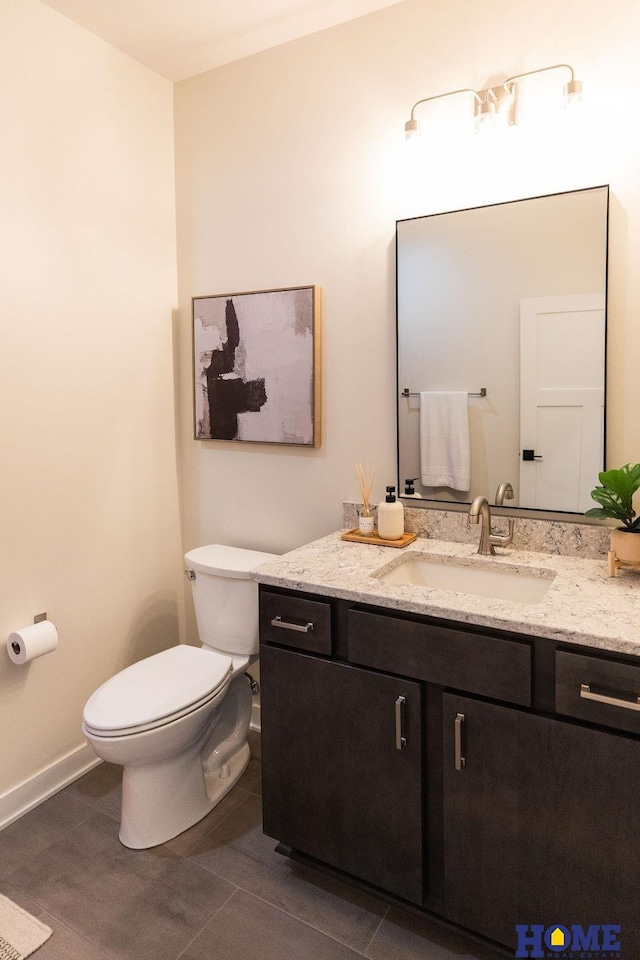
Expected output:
(501, 332)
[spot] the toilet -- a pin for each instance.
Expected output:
(177, 722)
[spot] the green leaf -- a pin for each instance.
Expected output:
(597, 513)
(624, 482)
(609, 503)
(615, 496)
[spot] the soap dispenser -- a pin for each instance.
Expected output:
(390, 517)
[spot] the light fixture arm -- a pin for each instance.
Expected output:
(439, 96)
(520, 76)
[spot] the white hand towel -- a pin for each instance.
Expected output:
(445, 457)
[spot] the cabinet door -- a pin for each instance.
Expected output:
(338, 783)
(580, 843)
(481, 817)
(541, 823)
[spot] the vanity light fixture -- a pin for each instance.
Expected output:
(499, 103)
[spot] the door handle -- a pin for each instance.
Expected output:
(586, 694)
(401, 740)
(459, 760)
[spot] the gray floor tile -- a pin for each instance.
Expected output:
(144, 904)
(404, 935)
(100, 788)
(25, 839)
(254, 740)
(20, 897)
(63, 944)
(251, 779)
(243, 830)
(238, 851)
(248, 929)
(184, 842)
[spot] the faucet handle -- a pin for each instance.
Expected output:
(499, 541)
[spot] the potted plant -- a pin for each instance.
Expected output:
(615, 497)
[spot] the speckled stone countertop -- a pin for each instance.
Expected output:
(582, 605)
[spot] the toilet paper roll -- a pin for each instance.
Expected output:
(30, 642)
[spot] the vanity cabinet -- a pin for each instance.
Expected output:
(514, 799)
(342, 767)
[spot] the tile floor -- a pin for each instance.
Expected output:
(217, 892)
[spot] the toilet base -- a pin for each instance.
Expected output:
(161, 800)
(217, 785)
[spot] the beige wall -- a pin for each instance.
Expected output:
(89, 527)
(291, 169)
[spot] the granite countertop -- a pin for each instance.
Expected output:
(583, 605)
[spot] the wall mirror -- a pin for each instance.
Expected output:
(501, 326)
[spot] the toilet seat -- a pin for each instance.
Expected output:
(156, 691)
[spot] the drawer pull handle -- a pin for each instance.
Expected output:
(459, 760)
(401, 740)
(288, 625)
(586, 694)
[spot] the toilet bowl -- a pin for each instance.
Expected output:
(177, 722)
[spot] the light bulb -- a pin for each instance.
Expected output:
(485, 117)
(573, 95)
(411, 130)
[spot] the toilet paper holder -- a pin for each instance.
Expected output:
(39, 617)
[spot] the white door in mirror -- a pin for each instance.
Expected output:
(561, 404)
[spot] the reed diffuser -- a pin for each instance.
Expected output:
(365, 520)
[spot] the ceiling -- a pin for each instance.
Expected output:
(181, 38)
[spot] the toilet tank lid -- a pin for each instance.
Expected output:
(222, 561)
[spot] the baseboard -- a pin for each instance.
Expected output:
(23, 798)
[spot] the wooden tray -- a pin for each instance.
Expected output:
(357, 537)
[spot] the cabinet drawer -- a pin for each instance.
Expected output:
(599, 690)
(295, 622)
(488, 666)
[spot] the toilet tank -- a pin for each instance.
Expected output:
(225, 597)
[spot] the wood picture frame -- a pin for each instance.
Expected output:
(256, 366)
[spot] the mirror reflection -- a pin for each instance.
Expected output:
(501, 352)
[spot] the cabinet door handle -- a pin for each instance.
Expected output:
(288, 625)
(401, 740)
(586, 694)
(459, 760)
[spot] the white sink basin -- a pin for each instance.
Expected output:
(519, 584)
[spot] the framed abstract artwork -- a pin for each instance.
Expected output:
(256, 366)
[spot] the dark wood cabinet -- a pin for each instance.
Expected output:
(342, 767)
(482, 813)
(396, 749)
(537, 824)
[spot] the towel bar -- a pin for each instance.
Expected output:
(407, 393)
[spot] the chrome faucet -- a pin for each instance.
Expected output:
(481, 511)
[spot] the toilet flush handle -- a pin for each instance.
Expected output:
(190, 574)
